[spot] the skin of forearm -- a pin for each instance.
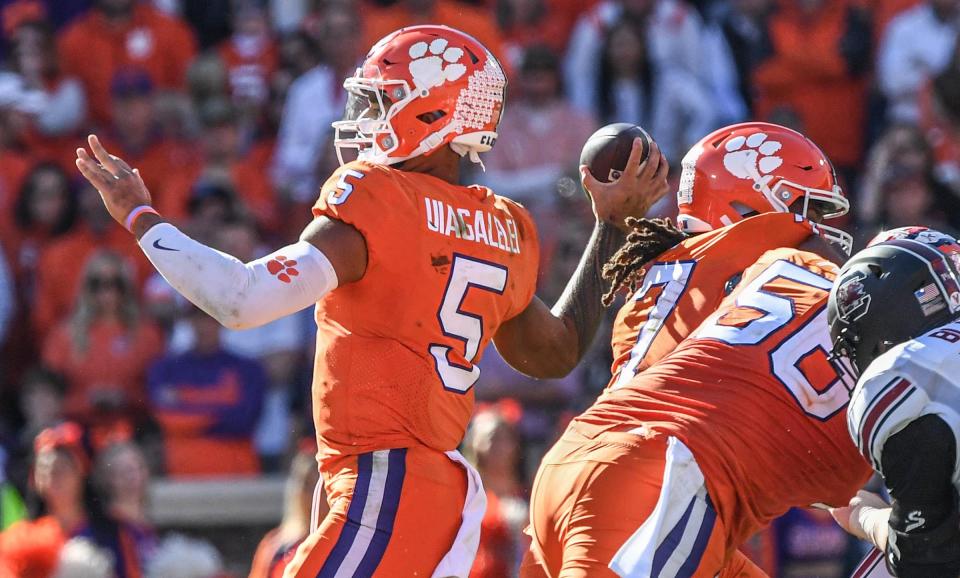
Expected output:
(580, 305)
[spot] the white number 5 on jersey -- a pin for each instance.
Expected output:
(466, 273)
(339, 195)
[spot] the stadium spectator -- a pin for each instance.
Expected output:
(42, 394)
(60, 102)
(208, 78)
(223, 161)
(315, 99)
(821, 54)
(211, 203)
(105, 345)
(61, 261)
(135, 130)
(31, 548)
(278, 345)
(120, 478)
(902, 152)
(125, 34)
(250, 56)
(916, 45)
(521, 166)
(672, 34)
(736, 41)
(670, 102)
(302, 489)
(207, 401)
(908, 197)
(45, 209)
(493, 445)
(940, 122)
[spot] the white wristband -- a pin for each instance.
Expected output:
(240, 295)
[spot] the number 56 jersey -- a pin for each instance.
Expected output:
(397, 350)
(754, 395)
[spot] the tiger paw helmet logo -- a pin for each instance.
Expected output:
(282, 268)
(435, 63)
(752, 157)
(853, 301)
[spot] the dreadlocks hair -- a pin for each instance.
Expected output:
(647, 239)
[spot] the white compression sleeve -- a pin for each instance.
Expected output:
(240, 295)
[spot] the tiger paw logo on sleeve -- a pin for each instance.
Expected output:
(283, 269)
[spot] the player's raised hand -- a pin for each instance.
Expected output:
(638, 188)
(120, 186)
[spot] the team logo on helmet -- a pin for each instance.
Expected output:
(922, 234)
(853, 301)
(752, 157)
(435, 63)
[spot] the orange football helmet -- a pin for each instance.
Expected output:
(757, 167)
(418, 89)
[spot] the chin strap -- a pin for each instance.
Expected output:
(465, 151)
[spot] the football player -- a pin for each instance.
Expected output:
(412, 276)
(894, 311)
(724, 410)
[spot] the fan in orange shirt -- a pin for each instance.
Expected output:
(250, 56)
(31, 548)
(726, 328)
(412, 276)
(119, 34)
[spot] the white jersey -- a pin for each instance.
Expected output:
(916, 378)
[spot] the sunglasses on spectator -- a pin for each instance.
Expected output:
(97, 284)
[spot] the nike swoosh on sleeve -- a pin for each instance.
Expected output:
(157, 245)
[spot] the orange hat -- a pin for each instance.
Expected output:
(67, 436)
(19, 12)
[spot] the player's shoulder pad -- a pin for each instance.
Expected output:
(805, 259)
(525, 222)
(770, 229)
(349, 178)
(774, 218)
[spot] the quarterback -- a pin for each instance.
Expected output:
(412, 276)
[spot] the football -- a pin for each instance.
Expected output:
(606, 151)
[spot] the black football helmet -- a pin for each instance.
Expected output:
(905, 283)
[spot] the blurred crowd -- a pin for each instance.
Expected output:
(109, 378)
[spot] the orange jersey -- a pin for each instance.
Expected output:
(686, 284)
(396, 351)
(754, 396)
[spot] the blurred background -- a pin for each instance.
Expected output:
(139, 438)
